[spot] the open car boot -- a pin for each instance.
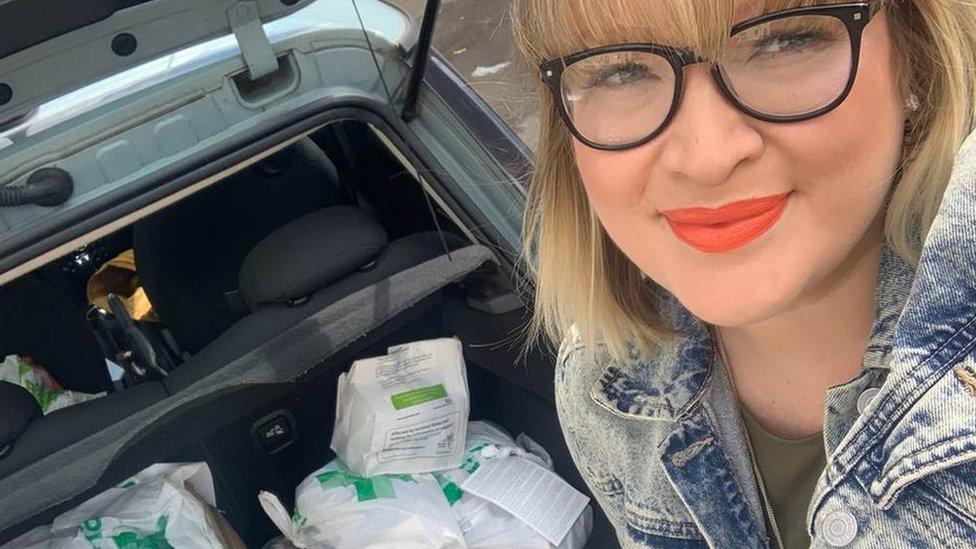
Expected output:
(285, 222)
(257, 403)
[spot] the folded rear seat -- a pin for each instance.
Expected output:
(303, 267)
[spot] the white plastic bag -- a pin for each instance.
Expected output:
(336, 509)
(484, 524)
(405, 412)
(155, 508)
(48, 393)
(279, 542)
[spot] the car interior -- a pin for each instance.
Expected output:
(295, 250)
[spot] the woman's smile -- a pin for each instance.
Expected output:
(722, 229)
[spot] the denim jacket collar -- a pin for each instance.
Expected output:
(922, 420)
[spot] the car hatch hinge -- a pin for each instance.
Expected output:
(258, 54)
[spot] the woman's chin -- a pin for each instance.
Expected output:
(739, 306)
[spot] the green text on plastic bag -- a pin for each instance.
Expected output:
(367, 488)
(92, 530)
(451, 490)
(471, 462)
(414, 397)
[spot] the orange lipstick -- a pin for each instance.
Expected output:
(716, 230)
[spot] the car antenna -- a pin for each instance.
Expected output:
(420, 57)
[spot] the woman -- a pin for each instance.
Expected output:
(744, 230)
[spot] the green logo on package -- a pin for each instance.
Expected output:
(367, 488)
(414, 397)
(298, 519)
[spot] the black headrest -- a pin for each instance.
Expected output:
(310, 253)
(52, 330)
(17, 409)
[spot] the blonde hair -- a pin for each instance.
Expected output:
(582, 279)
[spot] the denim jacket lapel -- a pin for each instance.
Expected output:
(702, 451)
(659, 386)
(923, 417)
(710, 477)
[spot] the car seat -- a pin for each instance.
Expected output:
(302, 268)
(188, 256)
(45, 324)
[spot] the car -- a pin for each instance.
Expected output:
(301, 183)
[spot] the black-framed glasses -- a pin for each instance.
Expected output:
(784, 66)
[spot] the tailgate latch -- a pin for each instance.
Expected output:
(258, 54)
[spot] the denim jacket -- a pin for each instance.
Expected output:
(660, 444)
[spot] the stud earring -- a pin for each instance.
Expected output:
(912, 104)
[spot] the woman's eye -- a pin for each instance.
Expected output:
(788, 43)
(621, 75)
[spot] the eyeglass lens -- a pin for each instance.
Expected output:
(786, 67)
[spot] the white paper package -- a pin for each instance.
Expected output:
(336, 509)
(162, 506)
(405, 412)
(484, 524)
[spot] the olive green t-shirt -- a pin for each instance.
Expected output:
(790, 470)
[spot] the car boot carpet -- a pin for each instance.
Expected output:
(59, 476)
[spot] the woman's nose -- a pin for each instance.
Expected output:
(708, 137)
